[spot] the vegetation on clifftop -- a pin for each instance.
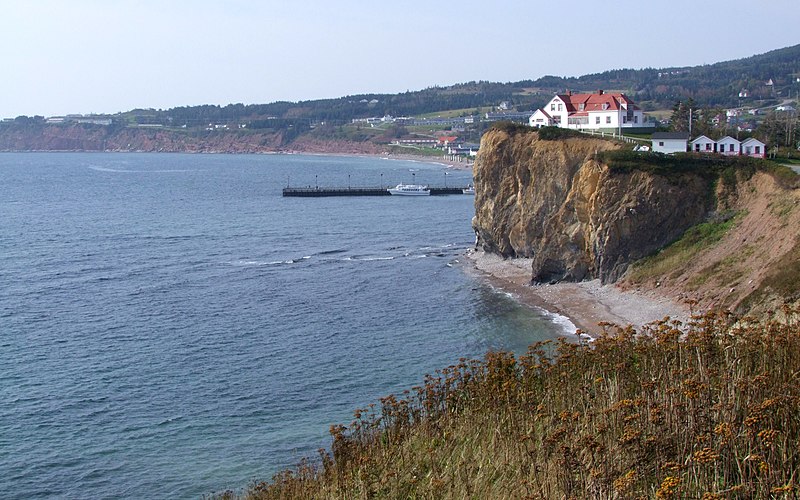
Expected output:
(712, 166)
(705, 410)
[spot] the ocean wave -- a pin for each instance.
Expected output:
(258, 263)
(367, 258)
(125, 171)
(332, 252)
(564, 322)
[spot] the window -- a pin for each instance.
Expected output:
(661, 143)
(697, 147)
(559, 107)
(597, 120)
(552, 107)
(708, 146)
(635, 119)
(758, 149)
(608, 119)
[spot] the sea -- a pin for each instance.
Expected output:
(171, 326)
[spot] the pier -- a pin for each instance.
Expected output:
(319, 192)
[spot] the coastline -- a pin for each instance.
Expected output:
(430, 160)
(585, 303)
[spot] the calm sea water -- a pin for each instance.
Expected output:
(170, 326)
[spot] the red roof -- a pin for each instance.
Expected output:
(599, 101)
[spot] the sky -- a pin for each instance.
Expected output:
(108, 56)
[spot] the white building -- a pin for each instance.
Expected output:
(600, 110)
(753, 147)
(669, 142)
(703, 144)
(729, 146)
(540, 119)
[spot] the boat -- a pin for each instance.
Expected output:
(410, 190)
(469, 189)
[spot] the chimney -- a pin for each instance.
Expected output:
(600, 92)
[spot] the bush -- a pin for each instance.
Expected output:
(511, 128)
(557, 133)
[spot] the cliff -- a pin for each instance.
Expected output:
(721, 232)
(85, 137)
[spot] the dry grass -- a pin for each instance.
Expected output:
(705, 410)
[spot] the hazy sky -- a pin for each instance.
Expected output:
(105, 56)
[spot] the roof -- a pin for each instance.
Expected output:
(728, 138)
(599, 101)
(671, 135)
(751, 140)
(701, 139)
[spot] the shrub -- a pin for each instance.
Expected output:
(511, 128)
(557, 133)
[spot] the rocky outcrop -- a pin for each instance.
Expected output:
(552, 201)
(557, 203)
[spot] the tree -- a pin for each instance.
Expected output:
(780, 128)
(682, 113)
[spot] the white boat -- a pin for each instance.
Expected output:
(469, 189)
(410, 190)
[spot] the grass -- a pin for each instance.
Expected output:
(693, 241)
(705, 410)
(456, 113)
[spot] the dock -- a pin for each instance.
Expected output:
(319, 192)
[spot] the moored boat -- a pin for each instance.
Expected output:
(469, 189)
(410, 190)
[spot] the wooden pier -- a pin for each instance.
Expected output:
(319, 192)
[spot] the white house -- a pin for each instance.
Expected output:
(728, 146)
(669, 142)
(599, 110)
(540, 119)
(754, 147)
(703, 144)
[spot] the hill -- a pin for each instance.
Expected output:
(765, 79)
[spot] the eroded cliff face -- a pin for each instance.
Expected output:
(553, 202)
(577, 218)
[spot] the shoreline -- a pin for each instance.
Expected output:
(430, 160)
(585, 303)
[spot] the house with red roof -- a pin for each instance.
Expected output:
(599, 110)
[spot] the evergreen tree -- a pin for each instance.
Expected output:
(682, 113)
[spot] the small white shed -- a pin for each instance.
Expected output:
(753, 147)
(669, 142)
(703, 144)
(729, 146)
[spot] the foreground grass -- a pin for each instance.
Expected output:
(705, 410)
